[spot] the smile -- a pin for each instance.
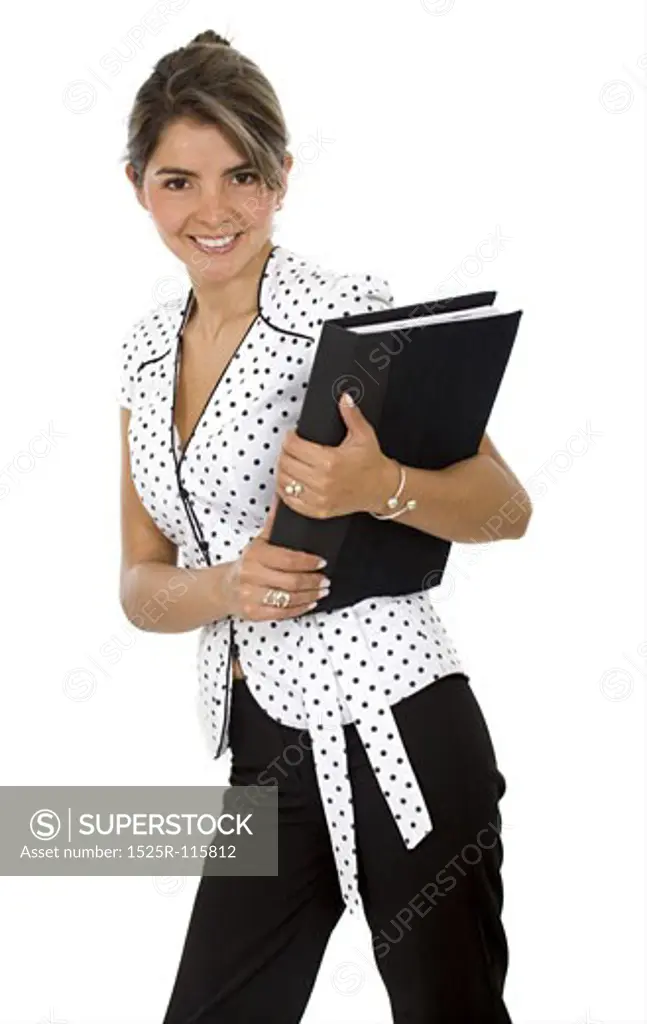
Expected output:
(220, 244)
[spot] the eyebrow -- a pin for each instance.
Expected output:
(193, 174)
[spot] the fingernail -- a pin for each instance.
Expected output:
(321, 563)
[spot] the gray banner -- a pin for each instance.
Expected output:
(138, 830)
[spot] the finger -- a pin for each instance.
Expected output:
(273, 556)
(252, 605)
(265, 612)
(305, 451)
(298, 598)
(286, 613)
(263, 579)
(293, 469)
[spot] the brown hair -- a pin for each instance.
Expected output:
(213, 83)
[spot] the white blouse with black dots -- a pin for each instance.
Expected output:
(319, 671)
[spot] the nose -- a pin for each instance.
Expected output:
(215, 211)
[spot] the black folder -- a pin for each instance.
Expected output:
(428, 389)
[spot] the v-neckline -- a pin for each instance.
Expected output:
(179, 449)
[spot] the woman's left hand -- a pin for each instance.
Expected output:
(355, 476)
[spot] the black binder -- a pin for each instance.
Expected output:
(428, 390)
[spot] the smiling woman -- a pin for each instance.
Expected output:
(395, 770)
(198, 102)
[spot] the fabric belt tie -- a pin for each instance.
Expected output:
(385, 750)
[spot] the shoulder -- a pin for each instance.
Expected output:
(152, 332)
(146, 339)
(352, 292)
(301, 292)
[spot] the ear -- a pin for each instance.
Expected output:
(132, 178)
(288, 161)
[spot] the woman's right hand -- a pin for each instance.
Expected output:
(262, 566)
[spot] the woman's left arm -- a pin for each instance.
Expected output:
(472, 501)
(475, 500)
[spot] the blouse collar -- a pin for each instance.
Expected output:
(282, 272)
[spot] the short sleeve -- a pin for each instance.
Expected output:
(352, 294)
(127, 368)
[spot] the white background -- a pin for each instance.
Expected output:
(419, 130)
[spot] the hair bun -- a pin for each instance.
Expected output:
(209, 37)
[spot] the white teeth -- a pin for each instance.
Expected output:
(215, 243)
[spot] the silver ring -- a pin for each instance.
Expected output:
(277, 598)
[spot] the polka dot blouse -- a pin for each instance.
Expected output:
(316, 672)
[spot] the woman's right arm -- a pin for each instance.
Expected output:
(156, 595)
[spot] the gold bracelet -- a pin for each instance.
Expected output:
(393, 500)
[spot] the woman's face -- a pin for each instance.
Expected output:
(196, 187)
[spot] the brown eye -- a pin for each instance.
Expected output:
(171, 181)
(253, 175)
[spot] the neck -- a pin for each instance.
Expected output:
(217, 302)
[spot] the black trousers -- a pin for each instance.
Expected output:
(254, 944)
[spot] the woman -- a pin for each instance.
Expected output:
(388, 798)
